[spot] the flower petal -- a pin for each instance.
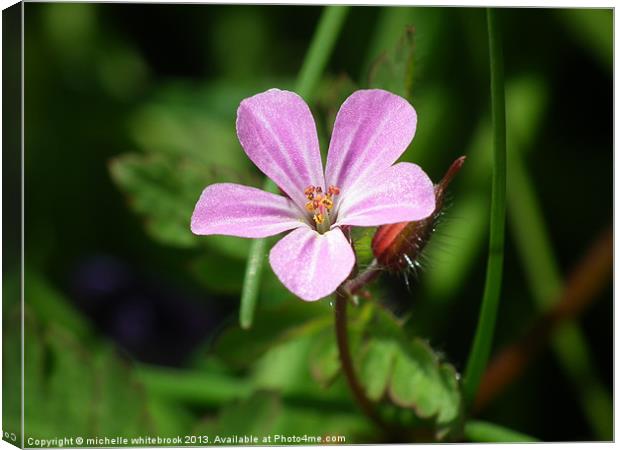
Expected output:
(312, 265)
(372, 129)
(401, 193)
(236, 210)
(277, 131)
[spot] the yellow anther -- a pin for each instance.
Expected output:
(318, 218)
(309, 192)
(328, 203)
(310, 206)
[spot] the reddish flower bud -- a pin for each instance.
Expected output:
(397, 246)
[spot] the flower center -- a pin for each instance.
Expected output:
(320, 204)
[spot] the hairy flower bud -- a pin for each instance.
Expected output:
(397, 246)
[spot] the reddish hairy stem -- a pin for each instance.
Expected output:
(354, 285)
(346, 362)
(582, 287)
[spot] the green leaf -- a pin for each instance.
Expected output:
(163, 188)
(51, 306)
(398, 370)
(415, 381)
(177, 123)
(273, 324)
(268, 414)
(376, 366)
(479, 431)
(285, 367)
(324, 360)
(118, 402)
(451, 405)
(163, 192)
(170, 418)
(393, 69)
(210, 388)
(183, 149)
(71, 391)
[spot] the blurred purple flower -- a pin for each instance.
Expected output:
(361, 185)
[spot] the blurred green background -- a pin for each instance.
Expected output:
(132, 322)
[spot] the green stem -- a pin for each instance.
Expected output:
(321, 47)
(251, 279)
(478, 431)
(481, 348)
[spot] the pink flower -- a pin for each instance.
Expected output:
(361, 185)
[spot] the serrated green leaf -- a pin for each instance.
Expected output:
(415, 380)
(183, 150)
(451, 404)
(407, 372)
(52, 307)
(267, 414)
(324, 360)
(69, 387)
(376, 366)
(169, 418)
(71, 391)
(118, 402)
(175, 128)
(272, 325)
(162, 192)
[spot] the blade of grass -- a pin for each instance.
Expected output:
(479, 431)
(203, 388)
(321, 47)
(322, 44)
(481, 348)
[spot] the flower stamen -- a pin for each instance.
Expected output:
(319, 204)
(309, 192)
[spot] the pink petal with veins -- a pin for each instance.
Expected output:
(236, 210)
(312, 265)
(277, 131)
(400, 193)
(372, 129)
